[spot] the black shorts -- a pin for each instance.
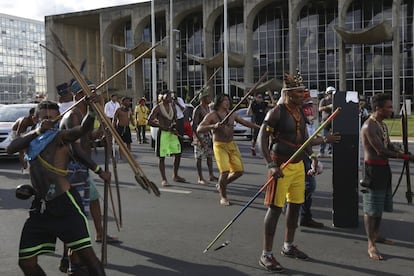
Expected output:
(63, 218)
(125, 133)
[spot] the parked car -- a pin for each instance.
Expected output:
(188, 132)
(8, 116)
(241, 130)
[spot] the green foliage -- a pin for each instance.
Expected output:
(395, 127)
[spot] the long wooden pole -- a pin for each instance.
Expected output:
(139, 174)
(205, 85)
(244, 97)
(297, 152)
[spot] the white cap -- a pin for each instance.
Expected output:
(330, 90)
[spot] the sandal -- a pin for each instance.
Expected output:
(179, 179)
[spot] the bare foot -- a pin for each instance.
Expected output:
(374, 254)
(224, 202)
(202, 182)
(165, 183)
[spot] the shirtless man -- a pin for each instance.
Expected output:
(56, 210)
(286, 126)
(82, 161)
(377, 195)
(163, 116)
(19, 128)
(203, 142)
(226, 151)
(122, 118)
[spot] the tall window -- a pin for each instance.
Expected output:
(190, 72)
(236, 45)
(270, 41)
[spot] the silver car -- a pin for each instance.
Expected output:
(241, 130)
(8, 116)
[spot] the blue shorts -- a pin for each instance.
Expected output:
(375, 202)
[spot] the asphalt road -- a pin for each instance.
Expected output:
(167, 235)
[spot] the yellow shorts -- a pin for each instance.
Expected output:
(290, 188)
(227, 157)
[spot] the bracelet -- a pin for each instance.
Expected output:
(271, 165)
(405, 157)
(98, 169)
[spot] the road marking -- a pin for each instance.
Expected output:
(168, 190)
(175, 191)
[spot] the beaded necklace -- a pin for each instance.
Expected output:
(296, 116)
(383, 128)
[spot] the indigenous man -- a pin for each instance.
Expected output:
(141, 115)
(203, 142)
(122, 118)
(163, 116)
(19, 128)
(226, 151)
(80, 163)
(56, 210)
(285, 124)
(377, 195)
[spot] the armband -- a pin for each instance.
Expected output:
(269, 128)
(98, 169)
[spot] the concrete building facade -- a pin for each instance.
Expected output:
(364, 46)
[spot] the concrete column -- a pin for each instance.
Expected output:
(396, 64)
(248, 44)
(295, 7)
(343, 6)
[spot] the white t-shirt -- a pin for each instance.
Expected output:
(64, 106)
(110, 108)
(180, 113)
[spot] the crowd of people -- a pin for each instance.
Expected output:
(60, 160)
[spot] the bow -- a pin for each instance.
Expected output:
(406, 165)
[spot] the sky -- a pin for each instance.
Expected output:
(38, 9)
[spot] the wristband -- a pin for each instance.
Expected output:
(98, 169)
(271, 165)
(91, 113)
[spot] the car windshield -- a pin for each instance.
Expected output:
(9, 113)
